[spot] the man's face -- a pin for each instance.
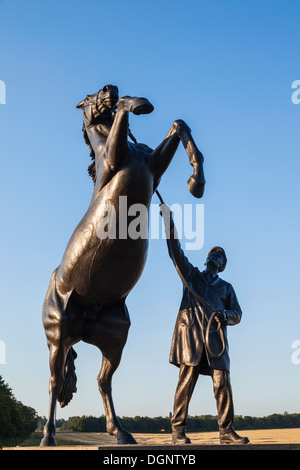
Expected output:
(215, 260)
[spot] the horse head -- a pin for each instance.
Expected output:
(101, 105)
(99, 110)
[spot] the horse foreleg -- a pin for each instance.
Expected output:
(164, 153)
(113, 425)
(196, 182)
(117, 143)
(58, 356)
(117, 140)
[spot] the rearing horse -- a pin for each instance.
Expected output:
(86, 297)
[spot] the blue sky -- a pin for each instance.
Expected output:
(227, 69)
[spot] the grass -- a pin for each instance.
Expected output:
(35, 438)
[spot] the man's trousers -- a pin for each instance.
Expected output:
(188, 376)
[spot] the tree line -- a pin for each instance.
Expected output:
(159, 424)
(17, 421)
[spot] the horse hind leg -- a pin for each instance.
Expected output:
(109, 333)
(104, 378)
(62, 386)
(61, 360)
(58, 355)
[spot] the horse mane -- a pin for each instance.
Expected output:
(92, 167)
(103, 119)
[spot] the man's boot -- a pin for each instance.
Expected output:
(229, 436)
(179, 437)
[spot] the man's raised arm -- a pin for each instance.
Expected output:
(175, 251)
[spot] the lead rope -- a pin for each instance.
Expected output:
(202, 302)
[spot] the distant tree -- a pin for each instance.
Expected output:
(59, 422)
(93, 424)
(75, 423)
(85, 424)
(17, 421)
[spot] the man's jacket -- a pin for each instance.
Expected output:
(188, 343)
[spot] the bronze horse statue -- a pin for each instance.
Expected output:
(86, 296)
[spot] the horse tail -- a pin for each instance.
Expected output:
(69, 385)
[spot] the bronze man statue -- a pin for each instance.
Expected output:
(194, 349)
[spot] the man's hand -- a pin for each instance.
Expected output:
(221, 318)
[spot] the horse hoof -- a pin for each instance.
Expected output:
(196, 187)
(48, 441)
(141, 106)
(124, 437)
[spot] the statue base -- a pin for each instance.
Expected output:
(162, 449)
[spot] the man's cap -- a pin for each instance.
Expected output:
(221, 250)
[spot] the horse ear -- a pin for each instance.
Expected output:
(80, 105)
